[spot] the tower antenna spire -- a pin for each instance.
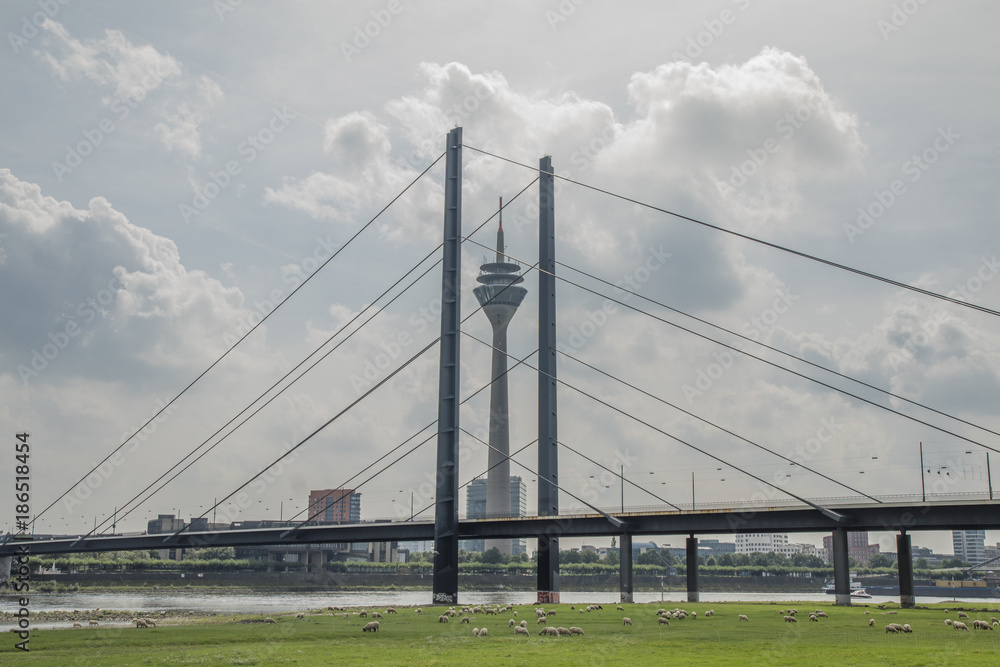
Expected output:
(501, 214)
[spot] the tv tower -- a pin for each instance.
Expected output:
(499, 296)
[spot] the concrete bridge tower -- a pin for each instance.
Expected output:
(500, 296)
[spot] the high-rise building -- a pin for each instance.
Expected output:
(499, 295)
(970, 545)
(748, 543)
(857, 547)
(475, 508)
(335, 506)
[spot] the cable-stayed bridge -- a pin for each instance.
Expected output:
(777, 510)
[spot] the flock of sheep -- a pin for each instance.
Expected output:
(976, 624)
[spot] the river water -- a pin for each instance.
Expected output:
(275, 603)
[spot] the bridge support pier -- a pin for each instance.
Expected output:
(841, 568)
(692, 568)
(904, 554)
(625, 568)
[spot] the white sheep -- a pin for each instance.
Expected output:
(518, 630)
(743, 617)
(375, 614)
(821, 614)
(139, 623)
(465, 619)
(812, 617)
(418, 610)
(77, 625)
(907, 628)
(620, 608)
(790, 619)
(475, 632)
(94, 624)
(947, 621)
(871, 622)
(626, 621)
(549, 632)
(958, 625)
(483, 631)
(891, 628)
(269, 620)
(370, 627)
(576, 631)
(391, 610)
(150, 622)
(510, 623)
(541, 619)
(563, 631)
(962, 614)
(443, 618)
(662, 620)
(524, 624)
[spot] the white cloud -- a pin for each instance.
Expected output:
(110, 61)
(180, 129)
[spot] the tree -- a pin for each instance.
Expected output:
(492, 557)
(612, 557)
(589, 556)
(921, 564)
(211, 553)
(954, 562)
(569, 556)
(710, 561)
(726, 560)
(879, 560)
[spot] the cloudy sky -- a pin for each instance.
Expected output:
(171, 172)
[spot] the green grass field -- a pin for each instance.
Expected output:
(408, 638)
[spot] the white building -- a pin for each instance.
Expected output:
(970, 545)
(749, 543)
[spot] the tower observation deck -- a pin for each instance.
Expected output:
(499, 295)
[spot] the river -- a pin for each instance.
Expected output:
(276, 603)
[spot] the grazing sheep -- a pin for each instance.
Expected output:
(958, 625)
(475, 632)
(150, 622)
(518, 630)
(564, 631)
(375, 614)
(541, 619)
(743, 617)
(510, 623)
(370, 627)
(660, 612)
(390, 610)
(694, 614)
(443, 618)
(94, 624)
(812, 617)
(620, 608)
(465, 619)
(821, 614)
(551, 613)
(576, 631)
(962, 614)
(890, 628)
(626, 621)
(418, 610)
(892, 613)
(790, 619)
(269, 620)
(867, 612)
(947, 621)
(792, 612)
(524, 624)
(907, 628)
(139, 623)
(871, 622)
(899, 628)
(996, 624)
(662, 620)
(549, 632)
(300, 616)
(363, 613)
(77, 625)
(483, 631)
(994, 619)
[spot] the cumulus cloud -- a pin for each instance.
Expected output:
(180, 129)
(99, 283)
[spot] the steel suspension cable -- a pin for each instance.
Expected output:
(243, 337)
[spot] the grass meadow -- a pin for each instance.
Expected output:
(323, 637)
